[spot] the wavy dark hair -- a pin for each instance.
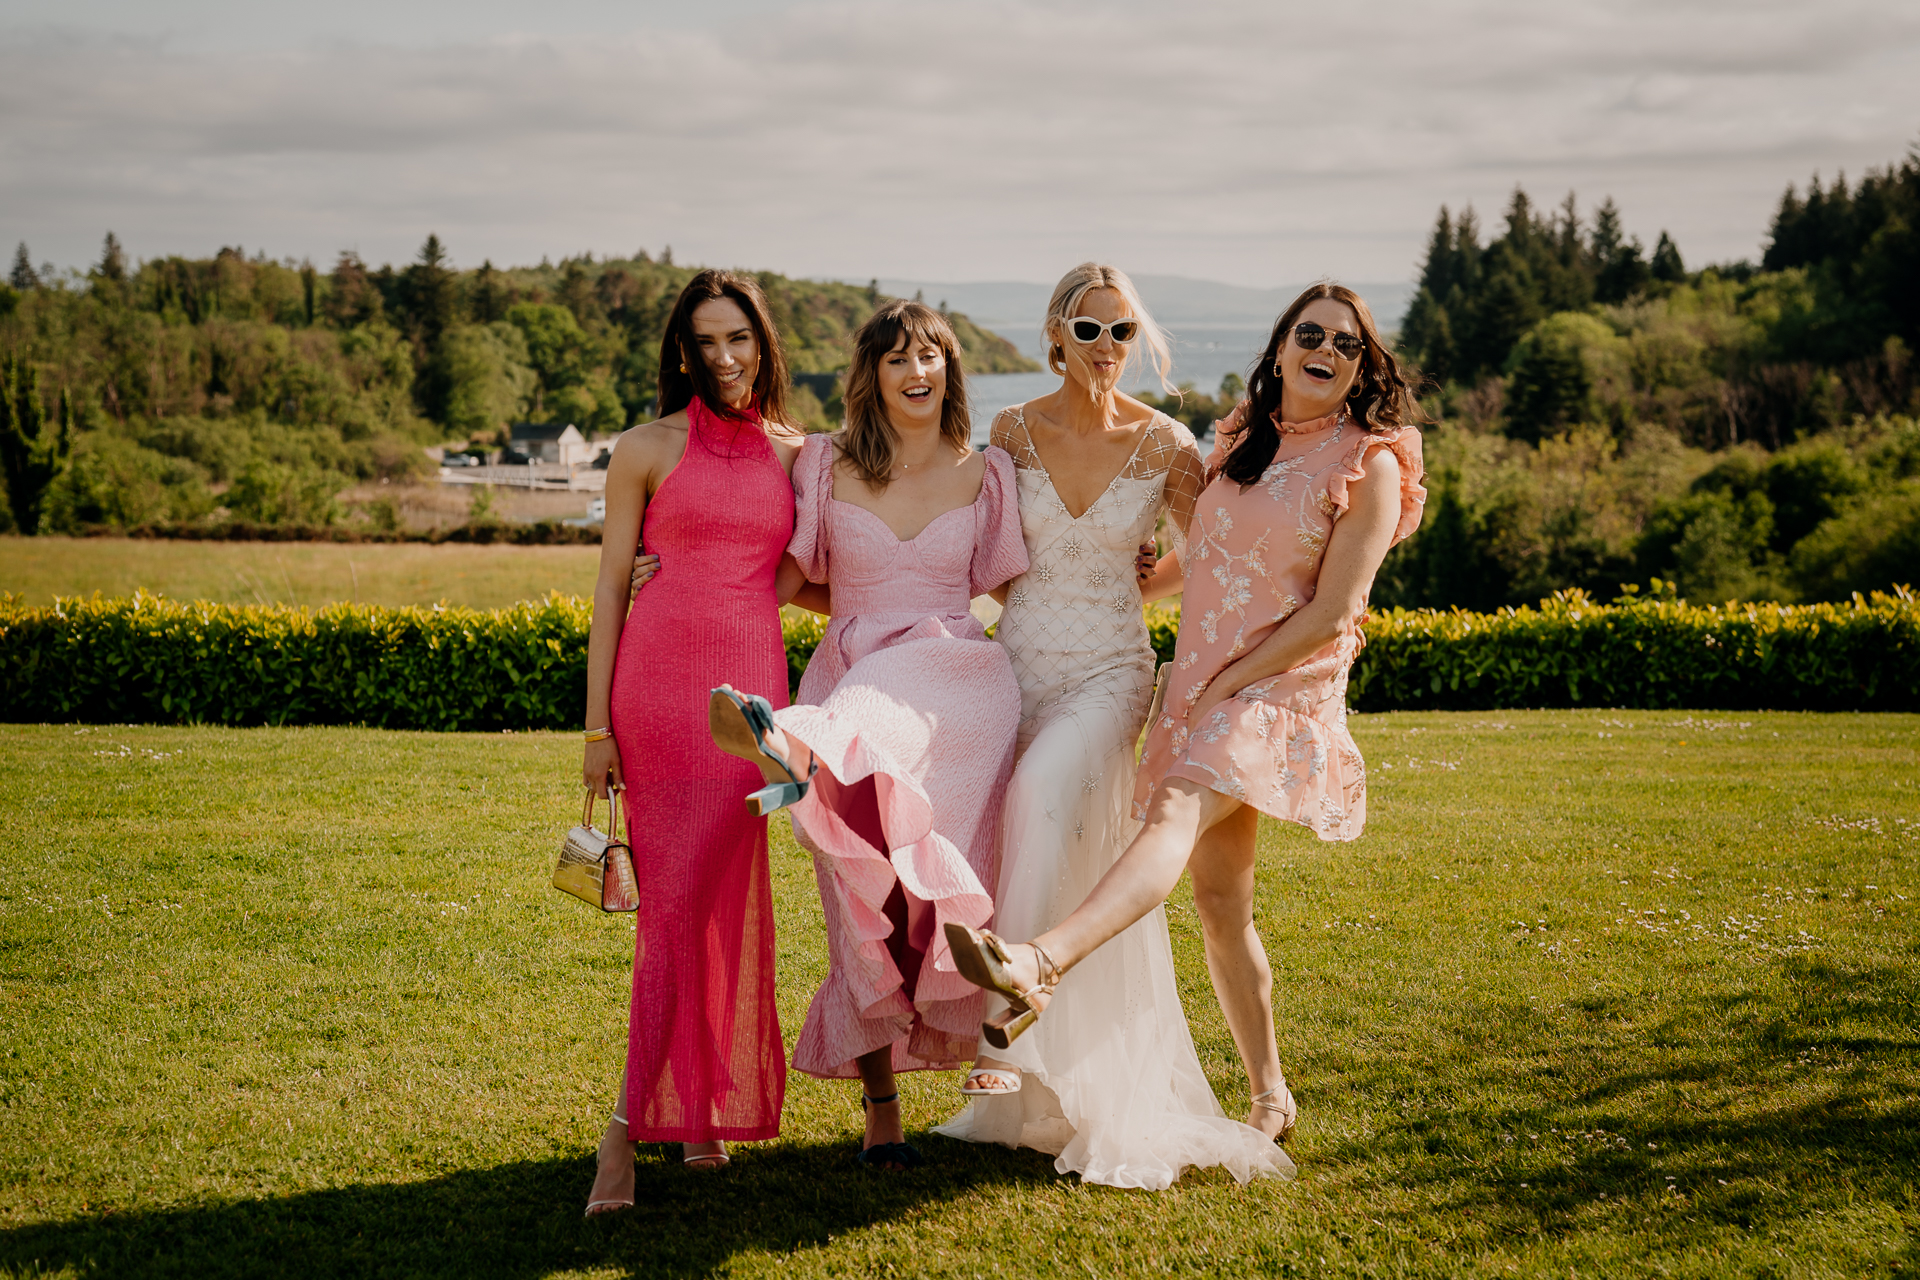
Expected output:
(1382, 398)
(869, 441)
(678, 346)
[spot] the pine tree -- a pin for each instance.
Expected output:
(309, 288)
(113, 260)
(32, 453)
(1666, 265)
(23, 277)
(486, 300)
(432, 293)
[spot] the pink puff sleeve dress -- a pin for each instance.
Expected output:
(912, 713)
(1280, 745)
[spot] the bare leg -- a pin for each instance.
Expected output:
(613, 1178)
(1137, 883)
(1223, 882)
(883, 1119)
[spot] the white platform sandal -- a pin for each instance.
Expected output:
(1005, 1082)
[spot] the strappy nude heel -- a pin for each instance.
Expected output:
(982, 959)
(1285, 1106)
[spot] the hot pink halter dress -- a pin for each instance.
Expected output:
(704, 1055)
(912, 713)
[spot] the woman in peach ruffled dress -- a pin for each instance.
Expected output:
(1314, 477)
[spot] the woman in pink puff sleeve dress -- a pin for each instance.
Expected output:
(906, 714)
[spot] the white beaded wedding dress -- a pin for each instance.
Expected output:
(1111, 1084)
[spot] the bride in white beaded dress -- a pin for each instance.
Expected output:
(1108, 1082)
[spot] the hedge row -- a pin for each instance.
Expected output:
(539, 533)
(148, 659)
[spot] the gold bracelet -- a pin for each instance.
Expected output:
(598, 735)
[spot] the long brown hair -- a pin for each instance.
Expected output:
(869, 441)
(680, 347)
(1382, 397)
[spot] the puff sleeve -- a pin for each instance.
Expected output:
(812, 491)
(1226, 434)
(999, 551)
(1405, 444)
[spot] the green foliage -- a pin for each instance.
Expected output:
(114, 481)
(148, 659)
(1874, 542)
(1198, 410)
(1646, 652)
(272, 493)
(33, 449)
(236, 361)
(486, 369)
(1570, 368)
(153, 660)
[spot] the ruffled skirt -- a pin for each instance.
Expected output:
(915, 746)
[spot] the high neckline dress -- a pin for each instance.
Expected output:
(705, 1060)
(911, 712)
(1111, 1084)
(1254, 556)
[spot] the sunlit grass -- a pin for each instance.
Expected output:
(309, 573)
(1604, 993)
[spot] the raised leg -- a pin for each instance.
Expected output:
(731, 733)
(1223, 868)
(1135, 884)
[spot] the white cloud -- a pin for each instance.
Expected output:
(1243, 141)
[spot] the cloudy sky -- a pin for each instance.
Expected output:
(1251, 141)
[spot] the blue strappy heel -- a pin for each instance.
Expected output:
(758, 713)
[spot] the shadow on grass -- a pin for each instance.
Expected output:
(523, 1219)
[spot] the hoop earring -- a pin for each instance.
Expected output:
(683, 366)
(1276, 368)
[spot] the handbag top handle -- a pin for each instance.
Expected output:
(613, 813)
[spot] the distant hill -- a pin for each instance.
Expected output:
(1176, 301)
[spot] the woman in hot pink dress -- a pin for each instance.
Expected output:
(1314, 477)
(708, 487)
(907, 711)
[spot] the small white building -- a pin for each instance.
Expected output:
(559, 442)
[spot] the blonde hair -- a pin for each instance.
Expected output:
(868, 442)
(1067, 296)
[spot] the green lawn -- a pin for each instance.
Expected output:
(1598, 994)
(309, 573)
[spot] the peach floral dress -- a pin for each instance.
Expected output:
(1253, 558)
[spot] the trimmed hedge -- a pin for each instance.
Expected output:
(148, 659)
(1863, 655)
(539, 533)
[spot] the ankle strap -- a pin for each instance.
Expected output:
(881, 1102)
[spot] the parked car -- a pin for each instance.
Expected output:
(459, 460)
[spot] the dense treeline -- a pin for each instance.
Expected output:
(1608, 416)
(180, 388)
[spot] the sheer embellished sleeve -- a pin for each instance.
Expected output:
(1405, 445)
(1186, 478)
(812, 491)
(1000, 551)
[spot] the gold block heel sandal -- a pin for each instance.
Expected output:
(982, 959)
